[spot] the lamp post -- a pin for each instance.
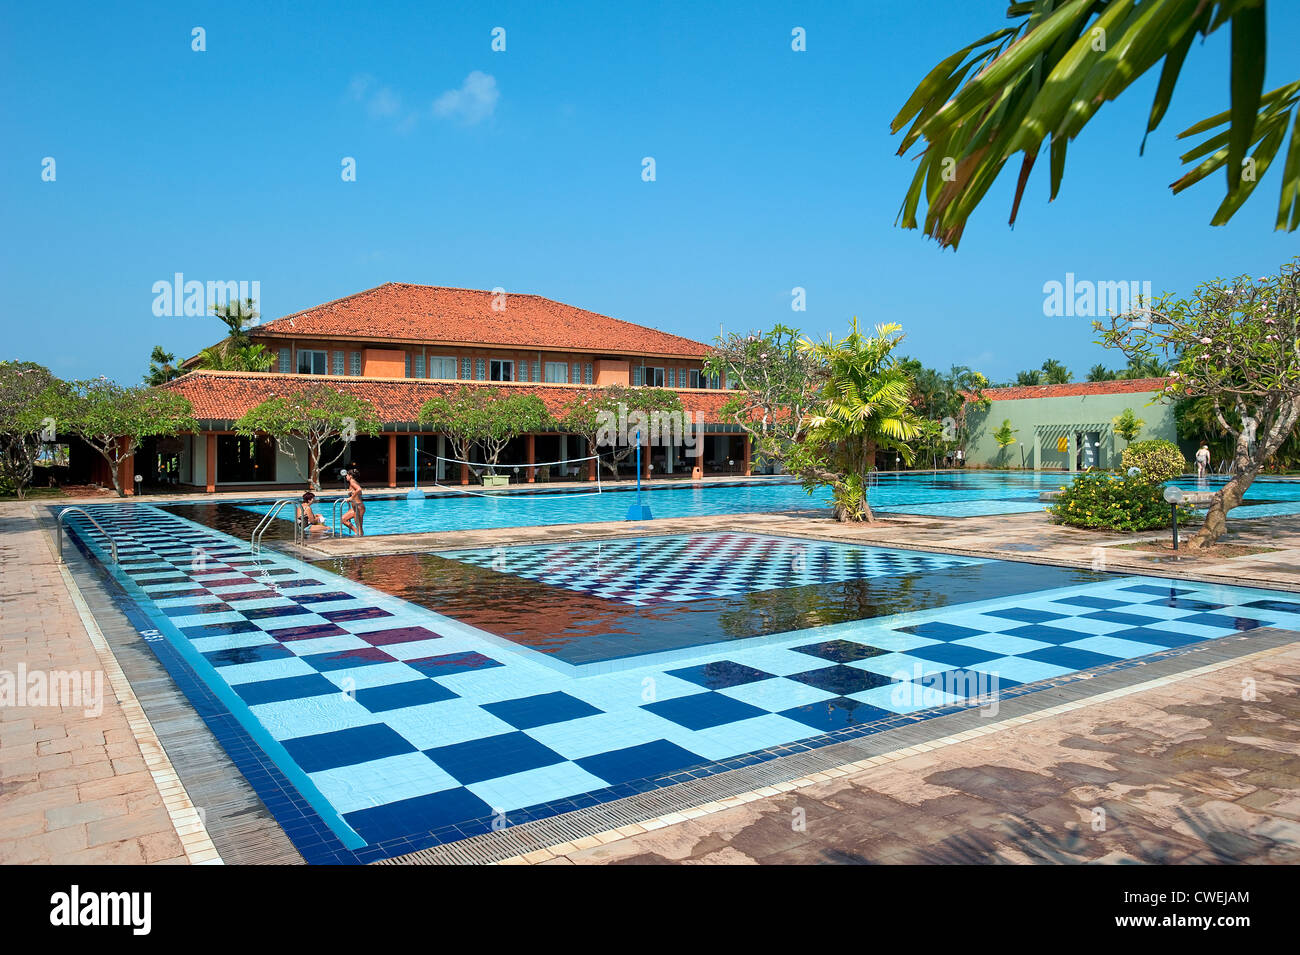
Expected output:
(1174, 495)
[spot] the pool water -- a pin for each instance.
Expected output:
(944, 494)
(571, 675)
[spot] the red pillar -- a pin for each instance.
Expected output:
(211, 457)
(464, 472)
(532, 457)
(392, 460)
(645, 461)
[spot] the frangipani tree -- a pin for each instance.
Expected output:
(594, 415)
(1236, 344)
(29, 409)
(115, 420)
(486, 418)
(315, 415)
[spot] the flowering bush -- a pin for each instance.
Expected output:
(1099, 499)
(1157, 460)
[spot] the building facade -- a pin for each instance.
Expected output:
(399, 345)
(1066, 427)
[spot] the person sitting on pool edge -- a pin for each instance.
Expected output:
(307, 517)
(356, 507)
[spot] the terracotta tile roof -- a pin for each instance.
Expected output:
(398, 312)
(220, 396)
(1075, 389)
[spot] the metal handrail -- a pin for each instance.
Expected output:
(58, 533)
(255, 541)
(334, 514)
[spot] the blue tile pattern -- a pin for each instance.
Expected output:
(386, 727)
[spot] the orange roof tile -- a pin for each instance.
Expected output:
(1074, 389)
(226, 395)
(399, 312)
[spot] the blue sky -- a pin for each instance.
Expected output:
(775, 169)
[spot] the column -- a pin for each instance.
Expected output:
(531, 445)
(392, 460)
(126, 470)
(211, 462)
(592, 462)
(1038, 450)
(1072, 451)
(464, 472)
(645, 461)
(749, 460)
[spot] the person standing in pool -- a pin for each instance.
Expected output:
(1202, 462)
(356, 506)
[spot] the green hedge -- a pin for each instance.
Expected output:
(1100, 499)
(1158, 460)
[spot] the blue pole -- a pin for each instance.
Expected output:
(415, 493)
(639, 511)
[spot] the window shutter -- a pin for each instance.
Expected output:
(356, 363)
(586, 373)
(285, 367)
(419, 366)
(576, 376)
(638, 375)
(479, 372)
(537, 371)
(465, 371)
(523, 370)
(338, 363)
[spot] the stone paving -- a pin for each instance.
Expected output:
(74, 786)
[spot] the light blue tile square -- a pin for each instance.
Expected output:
(534, 786)
(377, 674)
(1115, 647)
(776, 694)
(231, 641)
(275, 669)
(1001, 643)
(904, 697)
(442, 724)
(780, 661)
(381, 781)
(1020, 670)
(601, 733)
(336, 644)
(310, 716)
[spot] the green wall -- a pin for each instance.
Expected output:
(1062, 416)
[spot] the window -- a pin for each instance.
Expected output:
(697, 378)
(652, 377)
(502, 370)
(356, 363)
(442, 367)
(586, 373)
(557, 372)
(419, 366)
(338, 363)
(466, 368)
(313, 363)
(406, 366)
(478, 369)
(537, 371)
(285, 362)
(672, 377)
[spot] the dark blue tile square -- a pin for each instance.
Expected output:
(449, 663)
(237, 655)
(347, 659)
(640, 762)
(1046, 634)
(1221, 620)
(1071, 657)
(1161, 638)
(394, 696)
(720, 675)
(937, 630)
(479, 759)
(360, 744)
(1159, 591)
(1116, 616)
(702, 710)
(841, 651)
(841, 679)
(271, 613)
(419, 814)
(541, 710)
(288, 688)
(1277, 606)
(1025, 614)
(1097, 603)
(954, 653)
(836, 713)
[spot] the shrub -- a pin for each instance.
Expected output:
(1158, 460)
(1116, 503)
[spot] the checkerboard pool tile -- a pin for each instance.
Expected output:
(401, 728)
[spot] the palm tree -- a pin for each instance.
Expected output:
(1041, 80)
(865, 407)
(237, 352)
(1055, 373)
(1031, 377)
(162, 367)
(1101, 373)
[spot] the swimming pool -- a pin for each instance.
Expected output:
(382, 705)
(944, 494)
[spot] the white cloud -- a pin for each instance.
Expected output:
(472, 103)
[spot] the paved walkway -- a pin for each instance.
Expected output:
(82, 783)
(1187, 773)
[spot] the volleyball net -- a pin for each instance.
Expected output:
(568, 467)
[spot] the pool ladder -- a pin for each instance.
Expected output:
(255, 541)
(58, 531)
